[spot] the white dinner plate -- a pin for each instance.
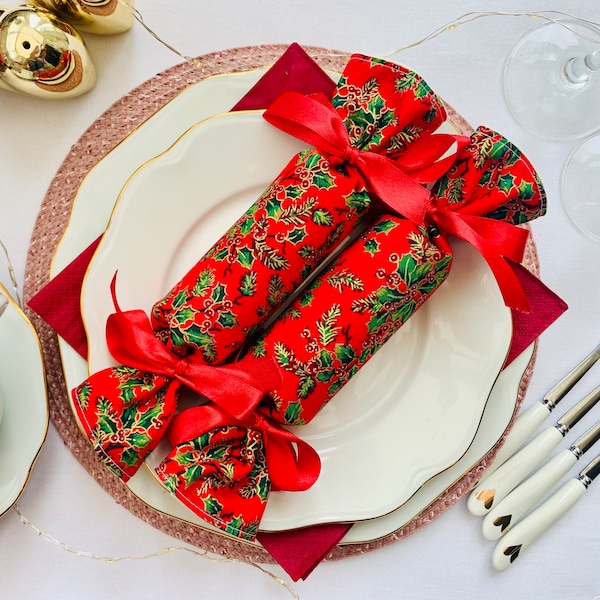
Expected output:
(410, 413)
(25, 402)
(90, 215)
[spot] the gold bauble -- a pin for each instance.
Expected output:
(41, 55)
(104, 17)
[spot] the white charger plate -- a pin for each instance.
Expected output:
(25, 417)
(91, 213)
(410, 413)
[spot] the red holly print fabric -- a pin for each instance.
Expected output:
(298, 220)
(347, 314)
(380, 280)
(222, 477)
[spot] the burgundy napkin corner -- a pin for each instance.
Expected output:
(58, 301)
(546, 307)
(294, 71)
(299, 551)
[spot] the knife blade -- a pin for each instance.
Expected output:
(531, 419)
(500, 519)
(531, 527)
(490, 492)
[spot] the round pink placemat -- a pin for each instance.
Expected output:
(101, 137)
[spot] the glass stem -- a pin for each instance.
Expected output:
(577, 71)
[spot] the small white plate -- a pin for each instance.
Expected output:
(24, 396)
(410, 413)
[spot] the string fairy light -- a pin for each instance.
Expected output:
(549, 16)
(552, 16)
(162, 552)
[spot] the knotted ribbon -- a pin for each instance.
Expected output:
(396, 184)
(125, 410)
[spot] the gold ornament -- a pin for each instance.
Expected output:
(103, 17)
(42, 56)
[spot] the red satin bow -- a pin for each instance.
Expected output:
(236, 387)
(314, 120)
(292, 464)
(318, 124)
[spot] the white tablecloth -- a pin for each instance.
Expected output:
(447, 559)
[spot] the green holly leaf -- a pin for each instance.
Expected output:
(359, 201)
(197, 337)
(292, 412)
(245, 257)
(219, 292)
(235, 526)
(526, 190)
(322, 180)
(273, 208)
(371, 247)
(296, 235)
(212, 506)
(345, 353)
(227, 319)
(179, 299)
(506, 182)
(384, 226)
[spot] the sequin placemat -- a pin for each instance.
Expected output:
(101, 137)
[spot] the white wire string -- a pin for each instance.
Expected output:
(162, 552)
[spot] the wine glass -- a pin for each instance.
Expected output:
(552, 89)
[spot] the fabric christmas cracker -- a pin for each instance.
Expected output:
(373, 286)
(386, 115)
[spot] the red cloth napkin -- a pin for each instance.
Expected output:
(298, 551)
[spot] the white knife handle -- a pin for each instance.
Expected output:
(508, 511)
(525, 425)
(487, 494)
(523, 534)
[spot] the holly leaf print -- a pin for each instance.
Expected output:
(227, 319)
(212, 506)
(292, 412)
(371, 247)
(296, 235)
(245, 257)
(345, 353)
(506, 183)
(358, 200)
(384, 226)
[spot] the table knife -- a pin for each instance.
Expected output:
(529, 420)
(523, 534)
(490, 492)
(499, 520)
